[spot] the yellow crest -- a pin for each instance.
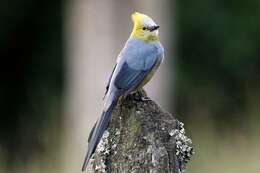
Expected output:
(144, 27)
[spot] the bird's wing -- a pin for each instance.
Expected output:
(134, 70)
(108, 83)
(91, 132)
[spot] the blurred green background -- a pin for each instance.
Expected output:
(215, 90)
(218, 82)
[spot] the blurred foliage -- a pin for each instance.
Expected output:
(31, 77)
(217, 87)
(218, 62)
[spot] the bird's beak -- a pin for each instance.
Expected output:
(153, 28)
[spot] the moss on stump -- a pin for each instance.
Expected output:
(141, 137)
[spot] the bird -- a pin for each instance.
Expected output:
(134, 67)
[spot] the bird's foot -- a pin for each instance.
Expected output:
(143, 99)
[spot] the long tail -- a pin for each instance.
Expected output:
(98, 130)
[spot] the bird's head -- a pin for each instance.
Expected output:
(144, 28)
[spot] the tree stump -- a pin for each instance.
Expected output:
(142, 138)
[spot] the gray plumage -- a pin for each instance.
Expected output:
(135, 65)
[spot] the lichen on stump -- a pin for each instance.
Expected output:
(141, 137)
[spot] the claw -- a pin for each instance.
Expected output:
(143, 99)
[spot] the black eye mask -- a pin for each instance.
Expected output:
(152, 28)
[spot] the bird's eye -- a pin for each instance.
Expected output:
(144, 28)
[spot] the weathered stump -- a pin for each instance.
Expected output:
(141, 137)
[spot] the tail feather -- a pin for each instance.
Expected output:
(97, 132)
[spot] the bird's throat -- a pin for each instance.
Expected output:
(145, 36)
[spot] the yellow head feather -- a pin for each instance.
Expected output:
(143, 28)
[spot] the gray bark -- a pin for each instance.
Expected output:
(141, 137)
